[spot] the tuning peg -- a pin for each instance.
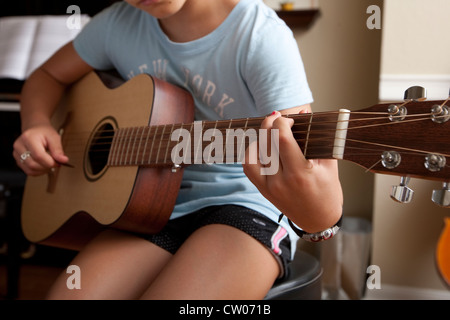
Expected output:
(402, 193)
(442, 197)
(440, 113)
(415, 93)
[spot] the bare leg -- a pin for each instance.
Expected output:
(114, 265)
(216, 262)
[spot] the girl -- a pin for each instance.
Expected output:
(223, 241)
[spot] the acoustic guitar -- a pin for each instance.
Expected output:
(71, 204)
(120, 142)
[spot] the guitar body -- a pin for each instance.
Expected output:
(67, 207)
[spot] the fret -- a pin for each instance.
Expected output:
(191, 160)
(151, 148)
(134, 145)
(207, 149)
(145, 145)
(198, 141)
(168, 145)
(177, 140)
(119, 147)
(123, 145)
(243, 146)
(138, 152)
(113, 148)
(208, 160)
(130, 135)
(305, 150)
(159, 147)
(225, 154)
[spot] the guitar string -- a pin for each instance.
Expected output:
(350, 151)
(301, 124)
(165, 138)
(298, 140)
(364, 151)
(126, 140)
(313, 153)
(259, 119)
(307, 139)
(375, 152)
(257, 126)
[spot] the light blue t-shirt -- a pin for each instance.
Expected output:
(248, 67)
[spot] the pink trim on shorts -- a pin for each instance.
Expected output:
(277, 237)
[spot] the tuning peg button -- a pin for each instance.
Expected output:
(415, 93)
(440, 113)
(442, 197)
(402, 193)
(435, 162)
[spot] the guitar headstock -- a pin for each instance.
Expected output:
(408, 139)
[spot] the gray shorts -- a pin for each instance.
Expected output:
(269, 233)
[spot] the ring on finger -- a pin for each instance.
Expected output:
(24, 156)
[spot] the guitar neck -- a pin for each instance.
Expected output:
(223, 141)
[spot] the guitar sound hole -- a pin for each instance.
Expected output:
(98, 152)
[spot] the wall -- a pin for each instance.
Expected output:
(342, 61)
(350, 66)
(415, 34)
(415, 50)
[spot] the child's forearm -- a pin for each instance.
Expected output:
(39, 98)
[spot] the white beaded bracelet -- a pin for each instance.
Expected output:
(317, 236)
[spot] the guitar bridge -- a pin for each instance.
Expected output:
(52, 178)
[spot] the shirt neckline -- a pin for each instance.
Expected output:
(206, 42)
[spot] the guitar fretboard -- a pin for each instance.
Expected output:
(223, 141)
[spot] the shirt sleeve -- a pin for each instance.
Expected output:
(275, 72)
(92, 42)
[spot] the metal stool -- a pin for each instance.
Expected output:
(304, 281)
